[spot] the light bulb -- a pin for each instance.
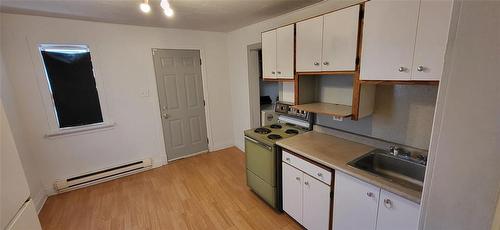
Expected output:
(168, 12)
(145, 7)
(164, 4)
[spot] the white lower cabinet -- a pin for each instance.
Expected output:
(396, 213)
(305, 198)
(361, 206)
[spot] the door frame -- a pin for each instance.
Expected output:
(205, 98)
(253, 92)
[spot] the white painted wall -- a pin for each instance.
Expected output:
(238, 41)
(463, 177)
(123, 62)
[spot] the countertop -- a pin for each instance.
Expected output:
(335, 153)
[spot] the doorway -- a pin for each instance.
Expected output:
(182, 107)
(262, 94)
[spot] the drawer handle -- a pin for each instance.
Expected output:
(320, 174)
(387, 203)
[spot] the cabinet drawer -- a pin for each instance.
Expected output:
(313, 170)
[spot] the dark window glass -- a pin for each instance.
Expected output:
(73, 87)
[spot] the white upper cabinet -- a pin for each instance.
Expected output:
(328, 42)
(432, 36)
(309, 44)
(388, 39)
(404, 40)
(355, 203)
(340, 40)
(396, 213)
(269, 54)
(277, 53)
(285, 52)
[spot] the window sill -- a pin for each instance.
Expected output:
(80, 130)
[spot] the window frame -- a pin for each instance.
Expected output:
(53, 129)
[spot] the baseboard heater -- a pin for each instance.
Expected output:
(103, 175)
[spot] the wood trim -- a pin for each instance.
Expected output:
(278, 80)
(356, 86)
(390, 82)
(326, 73)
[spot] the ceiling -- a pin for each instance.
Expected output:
(208, 15)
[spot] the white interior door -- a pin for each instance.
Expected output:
(355, 203)
(388, 39)
(292, 191)
(285, 52)
(396, 213)
(316, 203)
(340, 40)
(269, 54)
(180, 91)
(309, 44)
(432, 37)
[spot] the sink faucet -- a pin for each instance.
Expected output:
(398, 151)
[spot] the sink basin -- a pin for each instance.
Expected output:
(395, 169)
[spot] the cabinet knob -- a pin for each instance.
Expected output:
(287, 159)
(306, 183)
(420, 68)
(369, 194)
(402, 69)
(273, 72)
(297, 178)
(316, 63)
(387, 203)
(279, 72)
(320, 174)
(326, 63)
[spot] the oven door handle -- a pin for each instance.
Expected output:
(259, 143)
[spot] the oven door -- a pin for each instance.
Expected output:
(261, 170)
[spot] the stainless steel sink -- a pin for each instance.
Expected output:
(393, 168)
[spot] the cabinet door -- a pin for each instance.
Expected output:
(340, 40)
(396, 213)
(309, 44)
(432, 37)
(316, 202)
(269, 54)
(292, 192)
(389, 39)
(285, 52)
(355, 203)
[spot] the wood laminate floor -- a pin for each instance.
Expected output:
(207, 191)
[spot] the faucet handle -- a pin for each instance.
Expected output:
(422, 158)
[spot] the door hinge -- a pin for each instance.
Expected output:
(357, 60)
(200, 61)
(204, 104)
(154, 51)
(208, 141)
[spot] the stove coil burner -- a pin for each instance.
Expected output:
(291, 131)
(275, 126)
(262, 130)
(274, 136)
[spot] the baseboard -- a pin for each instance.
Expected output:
(39, 200)
(220, 147)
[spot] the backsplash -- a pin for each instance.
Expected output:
(403, 114)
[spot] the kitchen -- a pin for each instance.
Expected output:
(285, 115)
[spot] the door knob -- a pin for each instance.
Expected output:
(420, 68)
(402, 69)
(326, 63)
(316, 63)
(273, 72)
(369, 194)
(164, 115)
(279, 72)
(387, 203)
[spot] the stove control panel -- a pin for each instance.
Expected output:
(288, 110)
(298, 113)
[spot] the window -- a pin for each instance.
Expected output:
(72, 84)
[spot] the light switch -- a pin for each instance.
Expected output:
(145, 92)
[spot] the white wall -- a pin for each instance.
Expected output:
(123, 62)
(463, 177)
(30, 166)
(238, 41)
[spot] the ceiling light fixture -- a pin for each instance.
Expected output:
(167, 10)
(145, 7)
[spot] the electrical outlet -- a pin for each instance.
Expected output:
(337, 118)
